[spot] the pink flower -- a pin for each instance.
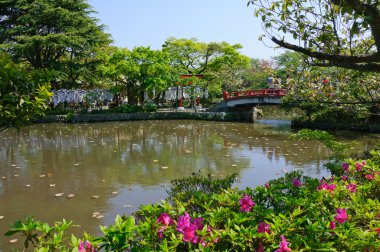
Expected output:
(203, 243)
(260, 248)
(328, 187)
(359, 166)
(283, 245)
(246, 203)
(297, 183)
(345, 167)
(88, 247)
(183, 221)
(188, 227)
(332, 225)
(351, 187)
(198, 222)
(263, 228)
(165, 219)
(189, 233)
(267, 186)
(341, 215)
(369, 176)
(344, 177)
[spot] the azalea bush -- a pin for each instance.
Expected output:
(292, 213)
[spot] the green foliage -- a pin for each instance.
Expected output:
(42, 236)
(192, 189)
(127, 108)
(149, 107)
(138, 70)
(328, 33)
(24, 94)
(61, 36)
(334, 96)
(118, 237)
(221, 63)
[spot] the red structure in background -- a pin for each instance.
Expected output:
(255, 92)
(186, 76)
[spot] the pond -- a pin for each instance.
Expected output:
(56, 171)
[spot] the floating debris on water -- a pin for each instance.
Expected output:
(28, 185)
(70, 195)
(114, 192)
(155, 161)
(42, 176)
(13, 165)
(127, 206)
(94, 214)
(59, 194)
(3, 177)
(99, 216)
(164, 167)
(95, 196)
(1, 217)
(234, 165)
(16, 175)
(103, 180)
(76, 164)
(52, 185)
(13, 241)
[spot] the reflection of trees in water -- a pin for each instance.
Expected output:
(127, 152)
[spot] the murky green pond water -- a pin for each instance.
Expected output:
(112, 168)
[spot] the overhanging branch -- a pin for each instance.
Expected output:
(365, 63)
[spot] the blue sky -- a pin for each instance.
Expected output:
(150, 22)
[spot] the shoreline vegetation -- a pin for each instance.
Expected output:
(365, 125)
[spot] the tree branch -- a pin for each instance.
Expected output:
(375, 57)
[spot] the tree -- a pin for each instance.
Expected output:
(289, 64)
(342, 33)
(259, 72)
(220, 63)
(23, 93)
(58, 35)
(139, 70)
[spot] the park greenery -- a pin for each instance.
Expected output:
(50, 45)
(331, 70)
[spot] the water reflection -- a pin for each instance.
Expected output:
(128, 164)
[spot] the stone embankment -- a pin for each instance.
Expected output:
(107, 117)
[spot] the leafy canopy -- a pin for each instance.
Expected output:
(343, 33)
(59, 35)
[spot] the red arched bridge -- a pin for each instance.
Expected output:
(249, 98)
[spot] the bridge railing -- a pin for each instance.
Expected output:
(272, 92)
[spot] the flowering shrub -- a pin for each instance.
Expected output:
(291, 213)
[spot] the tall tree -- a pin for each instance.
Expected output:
(342, 33)
(139, 70)
(221, 63)
(59, 35)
